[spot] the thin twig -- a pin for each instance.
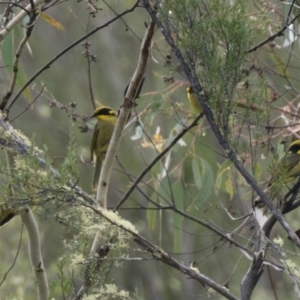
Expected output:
(272, 37)
(15, 258)
(214, 126)
(156, 159)
(18, 18)
(30, 104)
(158, 206)
(104, 179)
(159, 254)
(131, 93)
(33, 17)
(47, 65)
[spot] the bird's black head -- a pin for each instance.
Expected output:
(189, 90)
(103, 111)
(295, 147)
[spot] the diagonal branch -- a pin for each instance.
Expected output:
(19, 17)
(33, 17)
(130, 96)
(278, 33)
(155, 160)
(215, 128)
(15, 142)
(131, 93)
(160, 255)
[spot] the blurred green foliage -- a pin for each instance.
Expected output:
(195, 176)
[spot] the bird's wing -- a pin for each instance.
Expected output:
(106, 134)
(94, 140)
(293, 165)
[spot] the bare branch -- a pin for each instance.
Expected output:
(130, 96)
(215, 128)
(18, 18)
(33, 17)
(278, 33)
(155, 160)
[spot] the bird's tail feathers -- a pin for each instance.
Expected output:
(96, 174)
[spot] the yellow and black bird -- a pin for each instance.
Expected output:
(288, 169)
(292, 162)
(9, 208)
(6, 214)
(196, 106)
(194, 101)
(106, 122)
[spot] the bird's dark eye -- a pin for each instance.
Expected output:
(104, 111)
(294, 148)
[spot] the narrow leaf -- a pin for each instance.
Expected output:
(163, 192)
(177, 190)
(204, 179)
(8, 51)
(52, 21)
(197, 173)
(224, 181)
(21, 80)
(152, 213)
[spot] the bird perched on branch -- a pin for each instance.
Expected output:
(194, 101)
(288, 168)
(196, 106)
(292, 164)
(106, 122)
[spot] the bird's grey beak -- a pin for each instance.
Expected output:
(92, 116)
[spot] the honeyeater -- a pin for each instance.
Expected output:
(196, 106)
(292, 164)
(6, 214)
(290, 167)
(106, 121)
(9, 210)
(194, 101)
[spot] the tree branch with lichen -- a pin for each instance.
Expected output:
(104, 178)
(159, 254)
(15, 142)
